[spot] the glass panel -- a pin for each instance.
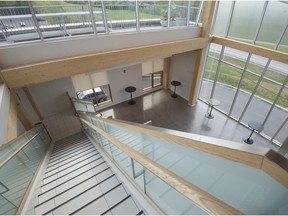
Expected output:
(215, 50)
(245, 20)
(283, 100)
(17, 173)
(147, 81)
(16, 22)
(274, 122)
(150, 14)
(122, 15)
(235, 57)
(227, 83)
(208, 78)
(176, 157)
(282, 135)
(60, 18)
(181, 13)
(167, 198)
(257, 64)
(157, 79)
(246, 88)
(268, 90)
(274, 23)
(222, 18)
(194, 10)
(96, 95)
(283, 46)
(277, 71)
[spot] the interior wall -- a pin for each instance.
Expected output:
(182, 69)
(119, 80)
(4, 112)
(52, 100)
(51, 97)
(37, 51)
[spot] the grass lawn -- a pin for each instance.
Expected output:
(231, 76)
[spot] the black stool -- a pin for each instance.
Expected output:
(175, 84)
(131, 89)
(255, 126)
(212, 102)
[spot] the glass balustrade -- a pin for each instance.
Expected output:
(18, 166)
(167, 198)
(243, 187)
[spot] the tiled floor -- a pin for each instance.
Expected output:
(174, 113)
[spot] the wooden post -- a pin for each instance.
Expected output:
(12, 119)
(166, 72)
(199, 64)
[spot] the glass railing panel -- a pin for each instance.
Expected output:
(167, 198)
(16, 173)
(7, 151)
(211, 173)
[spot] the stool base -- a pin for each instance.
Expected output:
(250, 141)
(207, 115)
(174, 95)
(132, 102)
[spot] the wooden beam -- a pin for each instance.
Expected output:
(166, 72)
(33, 103)
(22, 114)
(12, 119)
(250, 48)
(55, 69)
(200, 60)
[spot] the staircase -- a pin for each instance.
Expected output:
(77, 180)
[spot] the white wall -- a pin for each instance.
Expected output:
(119, 81)
(26, 53)
(51, 96)
(182, 69)
(56, 107)
(4, 112)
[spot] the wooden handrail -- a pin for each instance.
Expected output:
(19, 149)
(81, 101)
(249, 155)
(199, 197)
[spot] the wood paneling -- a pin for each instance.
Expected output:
(12, 119)
(261, 51)
(55, 69)
(200, 198)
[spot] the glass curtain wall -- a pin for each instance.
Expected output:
(250, 87)
(35, 20)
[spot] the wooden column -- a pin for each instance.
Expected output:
(166, 72)
(21, 113)
(199, 64)
(12, 119)
(34, 105)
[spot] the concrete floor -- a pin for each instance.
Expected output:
(174, 113)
